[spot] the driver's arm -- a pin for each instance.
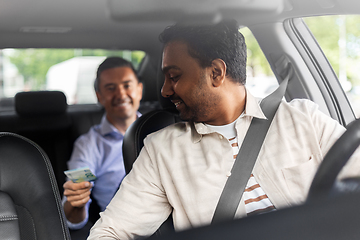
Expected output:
(328, 131)
(139, 207)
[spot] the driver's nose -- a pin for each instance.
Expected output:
(167, 89)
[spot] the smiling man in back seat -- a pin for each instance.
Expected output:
(182, 169)
(119, 91)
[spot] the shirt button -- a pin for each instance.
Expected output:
(221, 137)
(228, 174)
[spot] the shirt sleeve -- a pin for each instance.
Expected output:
(83, 154)
(139, 207)
(81, 157)
(329, 131)
(76, 226)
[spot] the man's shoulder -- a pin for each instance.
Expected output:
(300, 105)
(172, 131)
(304, 110)
(301, 102)
(90, 135)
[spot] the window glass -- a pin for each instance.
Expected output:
(340, 42)
(260, 78)
(72, 71)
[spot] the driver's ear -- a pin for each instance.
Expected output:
(218, 72)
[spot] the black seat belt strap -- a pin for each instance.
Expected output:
(248, 153)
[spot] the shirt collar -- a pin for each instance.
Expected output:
(252, 109)
(107, 128)
(252, 106)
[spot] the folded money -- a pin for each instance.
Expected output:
(80, 175)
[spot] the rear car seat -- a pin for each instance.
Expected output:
(147, 74)
(42, 117)
(45, 118)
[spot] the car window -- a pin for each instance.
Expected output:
(340, 42)
(72, 71)
(261, 81)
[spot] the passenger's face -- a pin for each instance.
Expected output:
(120, 93)
(187, 84)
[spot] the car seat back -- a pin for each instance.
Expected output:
(42, 117)
(146, 124)
(30, 206)
(136, 133)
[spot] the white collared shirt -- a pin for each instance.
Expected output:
(183, 169)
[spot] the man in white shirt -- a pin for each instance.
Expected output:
(183, 168)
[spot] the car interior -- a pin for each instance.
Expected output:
(30, 201)
(39, 127)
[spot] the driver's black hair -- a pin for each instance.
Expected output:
(209, 42)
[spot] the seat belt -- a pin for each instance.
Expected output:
(248, 153)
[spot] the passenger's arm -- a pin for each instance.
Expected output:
(77, 195)
(83, 155)
(139, 207)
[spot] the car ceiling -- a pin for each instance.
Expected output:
(135, 24)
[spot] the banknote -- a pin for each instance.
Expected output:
(80, 175)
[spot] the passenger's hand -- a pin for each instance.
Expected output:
(77, 194)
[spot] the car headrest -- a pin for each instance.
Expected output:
(40, 103)
(147, 75)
